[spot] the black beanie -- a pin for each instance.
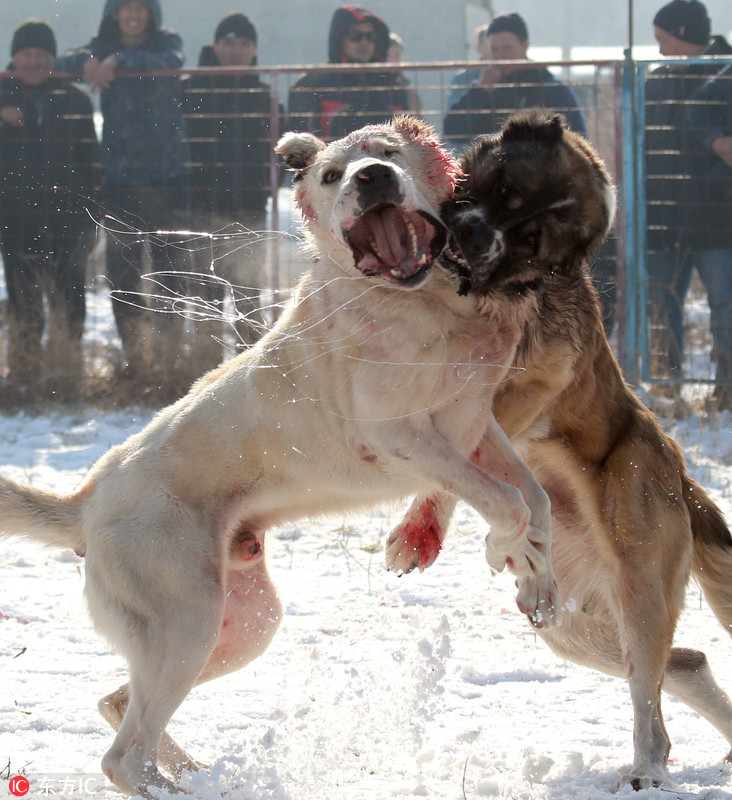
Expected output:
(236, 24)
(686, 20)
(509, 23)
(34, 33)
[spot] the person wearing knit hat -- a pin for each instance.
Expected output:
(34, 33)
(686, 21)
(689, 207)
(228, 116)
(503, 88)
(48, 157)
(236, 25)
(33, 50)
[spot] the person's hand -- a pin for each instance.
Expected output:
(489, 76)
(98, 75)
(12, 116)
(722, 146)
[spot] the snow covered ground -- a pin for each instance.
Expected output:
(376, 686)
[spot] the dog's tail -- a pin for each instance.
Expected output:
(51, 519)
(712, 560)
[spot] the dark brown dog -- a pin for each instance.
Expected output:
(628, 524)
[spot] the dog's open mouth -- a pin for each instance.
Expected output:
(394, 244)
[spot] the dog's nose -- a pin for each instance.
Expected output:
(376, 174)
(474, 237)
(377, 183)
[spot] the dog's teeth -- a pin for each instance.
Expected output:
(375, 248)
(398, 273)
(412, 235)
(422, 260)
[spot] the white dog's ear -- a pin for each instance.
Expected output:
(299, 149)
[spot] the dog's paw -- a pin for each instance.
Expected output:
(538, 598)
(412, 546)
(652, 778)
(529, 560)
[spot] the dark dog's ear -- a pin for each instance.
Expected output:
(534, 126)
(299, 149)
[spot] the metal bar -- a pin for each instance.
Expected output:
(630, 215)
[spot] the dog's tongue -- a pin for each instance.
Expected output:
(391, 243)
(388, 233)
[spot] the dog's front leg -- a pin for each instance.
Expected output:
(519, 537)
(537, 588)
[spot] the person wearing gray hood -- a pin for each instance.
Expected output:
(144, 180)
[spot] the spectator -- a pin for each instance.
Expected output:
(395, 55)
(460, 84)
(144, 158)
(711, 119)
(686, 180)
(501, 90)
(48, 160)
(231, 145)
(333, 104)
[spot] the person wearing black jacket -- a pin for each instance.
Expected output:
(334, 104)
(682, 190)
(502, 90)
(710, 116)
(49, 159)
(230, 137)
(144, 180)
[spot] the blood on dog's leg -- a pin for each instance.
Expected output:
(689, 677)
(417, 540)
(418, 449)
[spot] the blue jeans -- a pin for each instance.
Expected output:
(669, 277)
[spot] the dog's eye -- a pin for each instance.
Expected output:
(332, 175)
(390, 152)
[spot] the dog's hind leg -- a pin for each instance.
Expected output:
(250, 618)
(165, 660)
(689, 677)
(171, 756)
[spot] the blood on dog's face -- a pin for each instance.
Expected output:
(535, 198)
(372, 199)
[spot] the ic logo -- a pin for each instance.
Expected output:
(19, 786)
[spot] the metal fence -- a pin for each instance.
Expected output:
(611, 96)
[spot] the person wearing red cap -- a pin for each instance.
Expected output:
(333, 104)
(686, 223)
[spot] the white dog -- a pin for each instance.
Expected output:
(376, 383)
